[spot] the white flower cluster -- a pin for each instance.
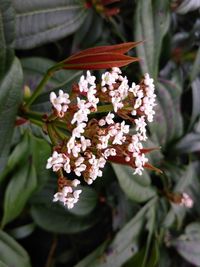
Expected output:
(88, 149)
(67, 195)
(109, 80)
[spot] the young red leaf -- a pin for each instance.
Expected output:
(98, 61)
(119, 48)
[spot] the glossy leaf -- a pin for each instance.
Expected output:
(104, 60)
(137, 188)
(100, 57)
(195, 101)
(151, 24)
(87, 202)
(168, 121)
(118, 49)
(47, 21)
(10, 80)
(62, 221)
(10, 98)
(40, 153)
(18, 191)
(44, 210)
(18, 155)
(11, 253)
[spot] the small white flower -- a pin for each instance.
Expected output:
(80, 169)
(55, 161)
(102, 122)
(70, 144)
(85, 143)
(76, 133)
(75, 182)
(109, 118)
(60, 103)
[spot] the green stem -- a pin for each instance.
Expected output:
(39, 88)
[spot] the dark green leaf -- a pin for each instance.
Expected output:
(195, 67)
(151, 24)
(87, 202)
(10, 98)
(18, 191)
(124, 245)
(7, 24)
(40, 153)
(35, 67)
(11, 253)
(137, 188)
(97, 253)
(42, 22)
(22, 231)
(55, 218)
(189, 143)
(168, 122)
(188, 245)
(195, 101)
(18, 155)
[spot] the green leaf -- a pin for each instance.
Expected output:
(40, 153)
(87, 202)
(55, 218)
(35, 68)
(11, 253)
(188, 244)
(168, 122)
(195, 67)
(83, 37)
(189, 143)
(18, 155)
(22, 231)
(18, 191)
(39, 22)
(10, 98)
(137, 188)
(153, 257)
(151, 24)
(97, 253)
(124, 245)
(7, 35)
(44, 211)
(195, 102)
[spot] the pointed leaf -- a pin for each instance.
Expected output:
(151, 24)
(97, 61)
(118, 49)
(18, 191)
(10, 98)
